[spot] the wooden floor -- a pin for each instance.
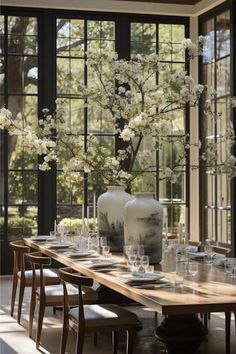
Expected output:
(14, 338)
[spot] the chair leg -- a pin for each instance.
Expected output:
(65, 331)
(31, 313)
(227, 331)
(130, 341)
(205, 320)
(40, 322)
(95, 339)
(13, 293)
(114, 342)
(21, 296)
(80, 342)
(155, 319)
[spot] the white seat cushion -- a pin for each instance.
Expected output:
(104, 315)
(54, 294)
(50, 276)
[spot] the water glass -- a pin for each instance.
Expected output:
(193, 270)
(105, 251)
(209, 253)
(137, 266)
(180, 274)
(103, 241)
(131, 260)
(93, 242)
(145, 263)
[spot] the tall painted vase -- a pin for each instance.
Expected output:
(143, 225)
(111, 216)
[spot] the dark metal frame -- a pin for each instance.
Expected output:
(213, 13)
(47, 91)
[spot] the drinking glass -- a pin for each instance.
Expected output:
(180, 274)
(131, 260)
(145, 263)
(209, 252)
(61, 230)
(102, 241)
(105, 251)
(93, 242)
(137, 267)
(193, 270)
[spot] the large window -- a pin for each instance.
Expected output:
(216, 201)
(43, 55)
(19, 91)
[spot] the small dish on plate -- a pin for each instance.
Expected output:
(41, 238)
(77, 254)
(141, 277)
(102, 263)
(59, 245)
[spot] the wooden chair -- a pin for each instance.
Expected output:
(24, 277)
(195, 244)
(51, 295)
(221, 250)
(93, 318)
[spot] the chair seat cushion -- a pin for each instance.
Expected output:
(50, 277)
(104, 315)
(54, 294)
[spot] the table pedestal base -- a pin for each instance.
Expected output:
(182, 334)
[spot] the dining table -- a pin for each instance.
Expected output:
(181, 330)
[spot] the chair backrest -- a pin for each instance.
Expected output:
(195, 244)
(67, 275)
(38, 261)
(19, 249)
(222, 250)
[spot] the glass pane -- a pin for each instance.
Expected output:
(223, 34)
(22, 221)
(20, 158)
(178, 33)
(22, 25)
(67, 192)
(24, 109)
(23, 74)
(223, 77)
(2, 27)
(99, 120)
(2, 228)
(70, 215)
(69, 72)
(165, 33)
(22, 44)
(2, 39)
(2, 75)
(22, 187)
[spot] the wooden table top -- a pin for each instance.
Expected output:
(213, 291)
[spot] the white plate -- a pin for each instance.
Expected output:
(80, 254)
(141, 277)
(41, 238)
(59, 245)
(102, 263)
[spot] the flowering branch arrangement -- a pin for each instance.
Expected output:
(143, 98)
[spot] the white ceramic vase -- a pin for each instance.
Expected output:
(143, 225)
(111, 216)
